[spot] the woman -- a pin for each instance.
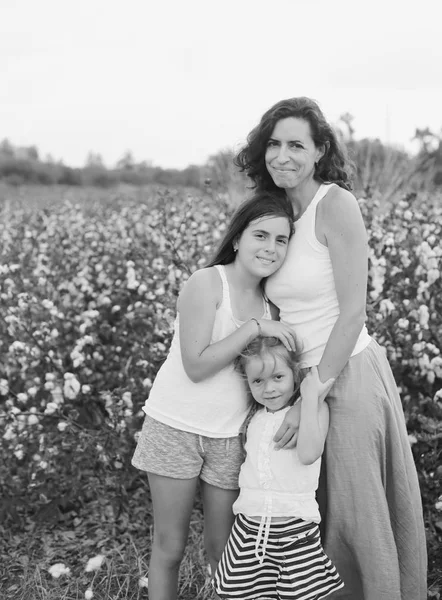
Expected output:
(373, 527)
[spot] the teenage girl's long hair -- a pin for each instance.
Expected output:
(261, 204)
(260, 347)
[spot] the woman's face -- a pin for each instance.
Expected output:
(291, 153)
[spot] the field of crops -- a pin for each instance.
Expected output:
(88, 284)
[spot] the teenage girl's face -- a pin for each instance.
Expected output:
(291, 153)
(270, 380)
(262, 247)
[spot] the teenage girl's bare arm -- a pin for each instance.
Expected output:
(314, 421)
(197, 306)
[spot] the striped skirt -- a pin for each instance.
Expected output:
(293, 564)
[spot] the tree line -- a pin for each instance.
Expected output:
(378, 166)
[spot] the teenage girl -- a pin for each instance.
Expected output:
(274, 550)
(199, 401)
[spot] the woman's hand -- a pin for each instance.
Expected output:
(287, 434)
(313, 388)
(280, 330)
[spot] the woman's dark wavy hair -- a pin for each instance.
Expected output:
(259, 347)
(333, 167)
(261, 204)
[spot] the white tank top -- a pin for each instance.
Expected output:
(215, 407)
(304, 288)
(274, 483)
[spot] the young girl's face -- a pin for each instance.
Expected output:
(262, 247)
(270, 380)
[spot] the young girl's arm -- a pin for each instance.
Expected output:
(314, 421)
(197, 306)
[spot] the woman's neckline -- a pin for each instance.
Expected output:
(297, 219)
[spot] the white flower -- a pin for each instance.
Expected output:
(48, 304)
(116, 308)
(57, 395)
(32, 420)
(386, 306)
(431, 376)
(19, 453)
(89, 594)
(4, 387)
(93, 564)
(412, 439)
(132, 284)
(127, 399)
(9, 434)
(32, 391)
(438, 505)
(424, 316)
(438, 395)
(147, 382)
(71, 386)
(49, 377)
(51, 408)
(403, 323)
(85, 389)
(62, 426)
(59, 569)
(433, 275)
(143, 582)
(142, 289)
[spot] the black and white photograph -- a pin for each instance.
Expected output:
(220, 300)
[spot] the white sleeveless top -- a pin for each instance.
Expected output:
(215, 407)
(304, 288)
(274, 483)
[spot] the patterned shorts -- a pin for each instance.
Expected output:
(292, 566)
(170, 452)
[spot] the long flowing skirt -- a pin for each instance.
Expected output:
(369, 494)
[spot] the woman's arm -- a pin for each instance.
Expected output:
(340, 224)
(340, 220)
(314, 421)
(197, 306)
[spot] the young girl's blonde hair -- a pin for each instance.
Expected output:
(260, 347)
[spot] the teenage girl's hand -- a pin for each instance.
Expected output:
(313, 388)
(280, 330)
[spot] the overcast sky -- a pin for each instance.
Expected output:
(175, 81)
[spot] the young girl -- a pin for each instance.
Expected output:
(199, 401)
(274, 550)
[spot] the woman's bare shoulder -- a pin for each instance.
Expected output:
(338, 203)
(337, 195)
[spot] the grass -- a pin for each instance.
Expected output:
(27, 554)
